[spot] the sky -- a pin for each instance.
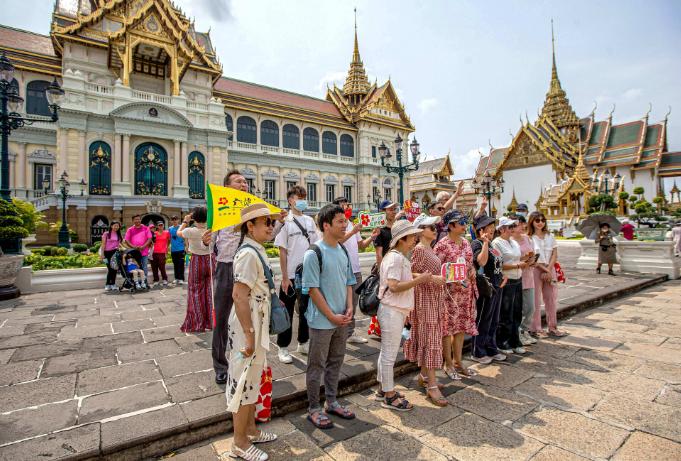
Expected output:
(465, 70)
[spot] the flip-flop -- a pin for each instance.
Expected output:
(557, 334)
(319, 420)
(340, 411)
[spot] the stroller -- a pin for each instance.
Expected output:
(128, 281)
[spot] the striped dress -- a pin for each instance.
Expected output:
(429, 316)
(199, 316)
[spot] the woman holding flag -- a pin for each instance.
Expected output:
(199, 291)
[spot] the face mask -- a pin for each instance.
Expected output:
(523, 214)
(300, 205)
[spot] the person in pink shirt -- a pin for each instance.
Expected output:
(158, 258)
(111, 241)
(627, 230)
(138, 237)
(526, 256)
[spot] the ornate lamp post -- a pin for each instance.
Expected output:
(82, 185)
(64, 240)
(400, 169)
(10, 119)
(489, 187)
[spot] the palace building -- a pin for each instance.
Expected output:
(148, 119)
(557, 162)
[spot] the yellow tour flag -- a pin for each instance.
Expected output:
(224, 206)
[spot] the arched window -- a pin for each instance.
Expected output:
(291, 136)
(329, 143)
(100, 168)
(347, 146)
(246, 130)
(269, 133)
(197, 176)
(229, 123)
(98, 226)
(36, 99)
(311, 140)
(151, 170)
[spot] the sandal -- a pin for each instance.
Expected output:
(423, 382)
(339, 410)
(557, 333)
(539, 334)
(437, 401)
(467, 372)
(452, 374)
(320, 420)
(250, 454)
(380, 395)
(264, 437)
(403, 405)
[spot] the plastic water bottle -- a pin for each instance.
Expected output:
(406, 333)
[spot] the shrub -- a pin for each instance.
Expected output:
(639, 190)
(77, 261)
(62, 251)
(11, 224)
(272, 252)
(79, 247)
(32, 218)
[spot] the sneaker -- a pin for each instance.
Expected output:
(499, 357)
(530, 340)
(107, 287)
(485, 360)
(354, 339)
(138, 286)
(284, 355)
(303, 348)
(519, 350)
(506, 351)
(165, 283)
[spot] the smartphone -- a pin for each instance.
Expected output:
(536, 257)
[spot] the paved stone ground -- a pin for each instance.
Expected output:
(611, 390)
(106, 370)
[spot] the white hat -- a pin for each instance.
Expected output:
(506, 221)
(255, 211)
(424, 220)
(402, 228)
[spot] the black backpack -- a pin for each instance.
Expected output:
(368, 292)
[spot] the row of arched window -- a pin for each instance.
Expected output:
(247, 132)
(151, 170)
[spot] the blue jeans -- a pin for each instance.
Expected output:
(145, 265)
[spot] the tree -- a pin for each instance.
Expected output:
(32, 218)
(639, 190)
(659, 201)
(601, 202)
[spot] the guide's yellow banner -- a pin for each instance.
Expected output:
(224, 206)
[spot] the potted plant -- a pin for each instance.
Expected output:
(12, 230)
(32, 219)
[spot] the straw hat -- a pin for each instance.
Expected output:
(402, 228)
(256, 211)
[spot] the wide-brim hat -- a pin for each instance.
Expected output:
(483, 221)
(402, 228)
(256, 210)
(425, 220)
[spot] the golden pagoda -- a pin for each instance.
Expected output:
(356, 84)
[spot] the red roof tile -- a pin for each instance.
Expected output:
(265, 93)
(25, 40)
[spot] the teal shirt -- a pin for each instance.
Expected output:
(333, 282)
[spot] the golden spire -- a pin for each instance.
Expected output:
(514, 202)
(557, 105)
(356, 83)
(580, 169)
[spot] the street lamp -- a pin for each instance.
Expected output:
(10, 119)
(64, 240)
(399, 168)
(46, 185)
(488, 186)
(82, 185)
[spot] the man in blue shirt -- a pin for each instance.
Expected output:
(329, 313)
(176, 250)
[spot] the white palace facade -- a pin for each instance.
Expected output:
(148, 119)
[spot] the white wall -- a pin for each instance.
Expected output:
(527, 184)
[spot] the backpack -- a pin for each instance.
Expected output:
(368, 294)
(298, 283)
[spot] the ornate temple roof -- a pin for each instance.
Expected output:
(29, 51)
(356, 83)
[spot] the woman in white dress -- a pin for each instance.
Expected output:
(248, 340)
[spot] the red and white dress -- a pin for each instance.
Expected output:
(429, 316)
(460, 300)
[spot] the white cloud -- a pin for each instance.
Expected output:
(465, 164)
(425, 105)
(329, 79)
(632, 93)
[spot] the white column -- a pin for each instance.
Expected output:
(184, 171)
(62, 154)
(20, 170)
(83, 157)
(126, 158)
(177, 164)
(116, 159)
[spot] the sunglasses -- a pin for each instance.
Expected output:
(540, 220)
(269, 222)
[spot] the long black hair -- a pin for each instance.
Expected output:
(118, 232)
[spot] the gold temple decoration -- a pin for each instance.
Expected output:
(356, 83)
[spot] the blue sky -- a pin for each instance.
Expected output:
(465, 70)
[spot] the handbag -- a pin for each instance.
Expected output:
(560, 275)
(279, 318)
(263, 407)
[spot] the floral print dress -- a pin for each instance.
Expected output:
(460, 300)
(245, 373)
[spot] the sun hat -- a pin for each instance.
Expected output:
(455, 216)
(483, 221)
(425, 220)
(505, 221)
(400, 229)
(386, 204)
(255, 211)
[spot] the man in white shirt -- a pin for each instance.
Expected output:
(294, 238)
(353, 242)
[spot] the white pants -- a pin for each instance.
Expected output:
(391, 321)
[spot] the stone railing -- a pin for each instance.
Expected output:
(197, 106)
(97, 88)
(635, 256)
(152, 97)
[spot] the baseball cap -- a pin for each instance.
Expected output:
(386, 204)
(506, 221)
(425, 220)
(483, 221)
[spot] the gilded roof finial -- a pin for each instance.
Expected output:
(593, 111)
(666, 116)
(356, 83)
(650, 108)
(612, 111)
(554, 70)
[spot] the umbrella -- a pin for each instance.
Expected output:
(591, 225)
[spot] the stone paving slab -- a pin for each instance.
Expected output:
(122, 356)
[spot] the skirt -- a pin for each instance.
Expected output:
(199, 316)
(609, 256)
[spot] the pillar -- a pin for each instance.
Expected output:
(116, 159)
(83, 157)
(184, 171)
(20, 170)
(177, 164)
(62, 153)
(126, 158)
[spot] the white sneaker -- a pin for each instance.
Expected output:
(303, 348)
(506, 351)
(354, 339)
(107, 287)
(165, 283)
(284, 355)
(499, 357)
(519, 350)
(526, 339)
(485, 360)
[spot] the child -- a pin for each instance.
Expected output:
(134, 270)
